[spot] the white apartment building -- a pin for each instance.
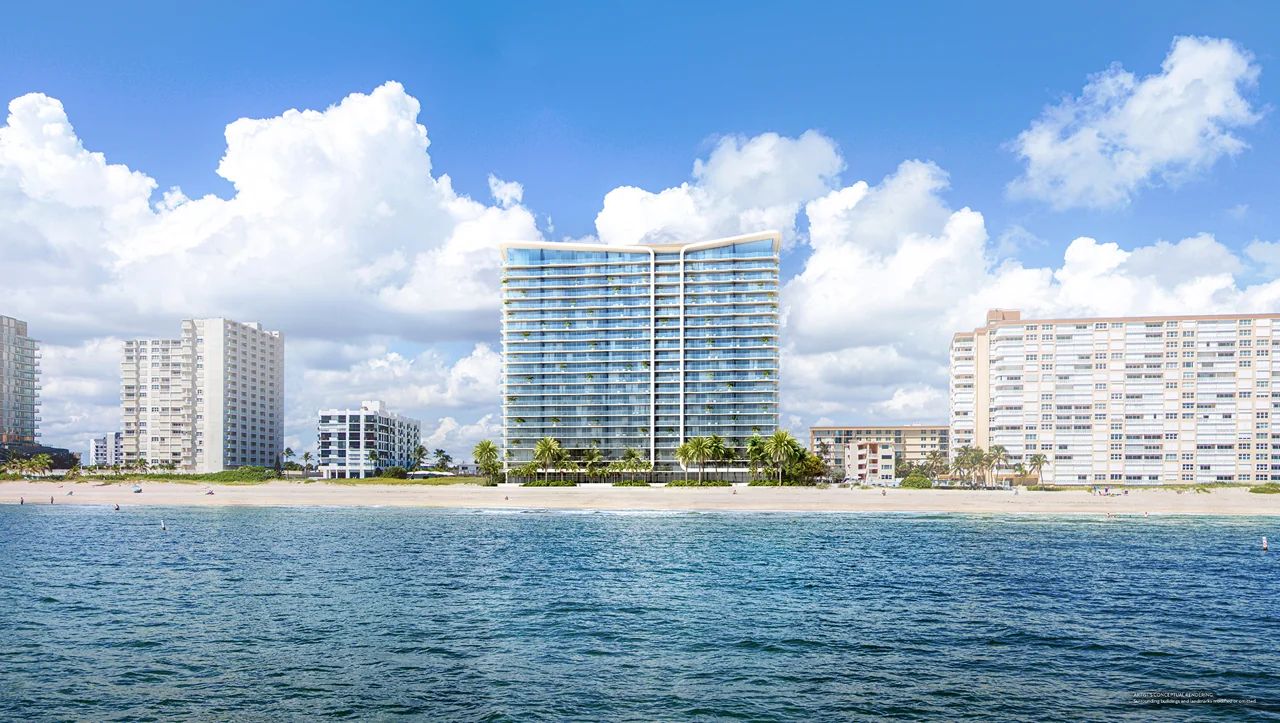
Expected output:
(106, 450)
(209, 401)
(869, 462)
(355, 443)
(1138, 400)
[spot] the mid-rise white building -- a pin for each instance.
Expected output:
(356, 443)
(869, 462)
(1138, 400)
(208, 401)
(106, 450)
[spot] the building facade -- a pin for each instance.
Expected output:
(913, 442)
(639, 347)
(208, 401)
(1137, 400)
(106, 450)
(870, 462)
(19, 384)
(356, 443)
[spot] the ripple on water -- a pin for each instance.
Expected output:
(532, 614)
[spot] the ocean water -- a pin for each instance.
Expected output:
(301, 614)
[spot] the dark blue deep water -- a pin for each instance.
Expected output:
(269, 614)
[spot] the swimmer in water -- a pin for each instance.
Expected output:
(117, 507)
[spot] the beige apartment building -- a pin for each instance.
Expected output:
(913, 442)
(1138, 400)
(208, 401)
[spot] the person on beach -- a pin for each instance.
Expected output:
(22, 500)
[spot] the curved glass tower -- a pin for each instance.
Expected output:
(619, 347)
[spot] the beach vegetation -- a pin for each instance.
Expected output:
(550, 483)
(917, 482)
(441, 481)
(395, 472)
(699, 483)
(1270, 488)
(631, 483)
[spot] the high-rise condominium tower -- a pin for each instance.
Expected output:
(1140, 400)
(209, 401)
(639, 347)
(19, 387)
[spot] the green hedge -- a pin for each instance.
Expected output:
(696, 483)
(631, 483)
(550, 483)
(917, 482)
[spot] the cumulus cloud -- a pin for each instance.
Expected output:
(870, 315)
(337, 229)
(745, 185)
(1123, 132)
(385, 280)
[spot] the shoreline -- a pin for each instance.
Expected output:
(1232, 501)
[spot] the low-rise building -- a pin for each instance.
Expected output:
(356, 443)
(913, 442)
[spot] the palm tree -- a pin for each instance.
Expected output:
(1035, 463)
(306, 464)
(756, 456)
(288, 455)
(935, 464)
(701, 451)
(781, 448)
(546, 452)
(41, 464)
(486, 456)
(721, 451)
(632, 461)
(373, 459)
(442, 460)
(997, 457)
(593, 461)
(684, 455)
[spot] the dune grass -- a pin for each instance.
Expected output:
(397, 482)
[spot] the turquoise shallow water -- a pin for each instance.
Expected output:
(269, 614)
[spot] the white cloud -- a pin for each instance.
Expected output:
(337, 230)
(745, 185)
(384, 279)
(869, 317)
(461, 438)
(1124, 133)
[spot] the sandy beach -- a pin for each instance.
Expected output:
(1220, 501)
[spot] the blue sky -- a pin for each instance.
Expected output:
(573, 100)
